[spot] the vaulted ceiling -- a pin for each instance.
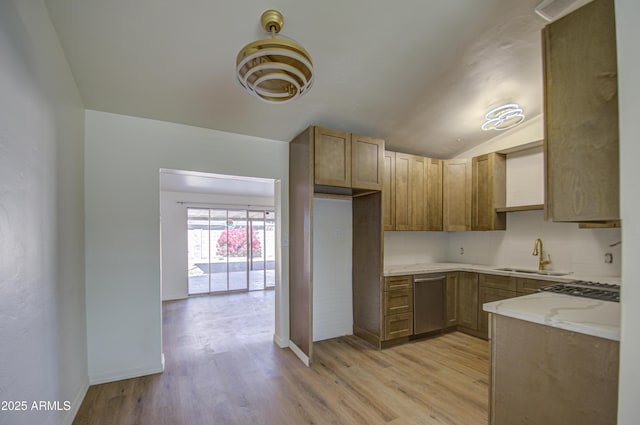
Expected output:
(419, 73)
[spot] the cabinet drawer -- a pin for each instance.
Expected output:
(488, 295)
(507, 283)
(526, 286)
(398, 282)
(398, 301)
(398, 325)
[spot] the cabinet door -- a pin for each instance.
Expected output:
(392, 283)
(456, 195)
(452, 299)
(487, 295)
(468, 300)
(398, 301)
(366, 162)
(489, 192)
(526, 286)
(581, 115)
(398, 325)
(402, 193)
(434, 194)
(497, 281)
(389, 191)
(332, 157)
(417, 190)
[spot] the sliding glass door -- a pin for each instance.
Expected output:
(230, 250)
(262, 256)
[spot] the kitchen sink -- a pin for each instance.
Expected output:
(531, 271)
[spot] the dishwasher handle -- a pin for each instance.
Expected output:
(428, 279)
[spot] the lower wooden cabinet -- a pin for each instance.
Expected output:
(468, 300)
(492, 288)
(525, 286)
(398, 301)
(488, 295)
(465, 294)
(398, 307)
(391, 283)
(398, 325)
(451, 307)
(544, 375)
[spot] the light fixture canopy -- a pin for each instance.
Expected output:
(503, 117)
(276, 69)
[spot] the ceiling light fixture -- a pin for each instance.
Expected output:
(276, 69)
(503, 117)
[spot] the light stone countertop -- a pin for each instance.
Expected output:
(406, 269)
(583, 315)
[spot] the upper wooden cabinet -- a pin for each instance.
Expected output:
(347, 160)
(489, 192)
(434, 194)
(388, 191)
(367, 155)
(415, 188)
(402, 191)
(332, 157)
(456, 194)
(417, 192)
(581, 115)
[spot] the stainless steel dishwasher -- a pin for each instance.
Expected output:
(428, 302)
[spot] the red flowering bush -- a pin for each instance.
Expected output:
(233, 240)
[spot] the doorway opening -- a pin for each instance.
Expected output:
(230, 250)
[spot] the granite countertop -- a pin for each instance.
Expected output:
(583, 315)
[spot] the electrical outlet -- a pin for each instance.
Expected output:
(608, 258)
(461, 251)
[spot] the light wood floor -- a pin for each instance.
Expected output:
(222, 367)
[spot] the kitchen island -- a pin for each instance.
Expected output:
(553, 360)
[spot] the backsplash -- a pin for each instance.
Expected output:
(571, 249)
(415, 247)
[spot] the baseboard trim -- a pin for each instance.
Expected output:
(174, 297)
(76, 403)
(368, 336)
(103, 378)
(298, 352)
(279, 341)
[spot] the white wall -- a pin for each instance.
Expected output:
(532, 130)
(571, 249)
(415, 247)
(123, 158)
(628, 33)
(332, 253)
(42, 300)
(175, 284)
(525, 177)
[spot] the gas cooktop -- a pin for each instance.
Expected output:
(586, 289)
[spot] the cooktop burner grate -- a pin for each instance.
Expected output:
(585, 289)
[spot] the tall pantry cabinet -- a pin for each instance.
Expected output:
(335, 163)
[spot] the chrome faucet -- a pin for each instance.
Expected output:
(537, 250)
